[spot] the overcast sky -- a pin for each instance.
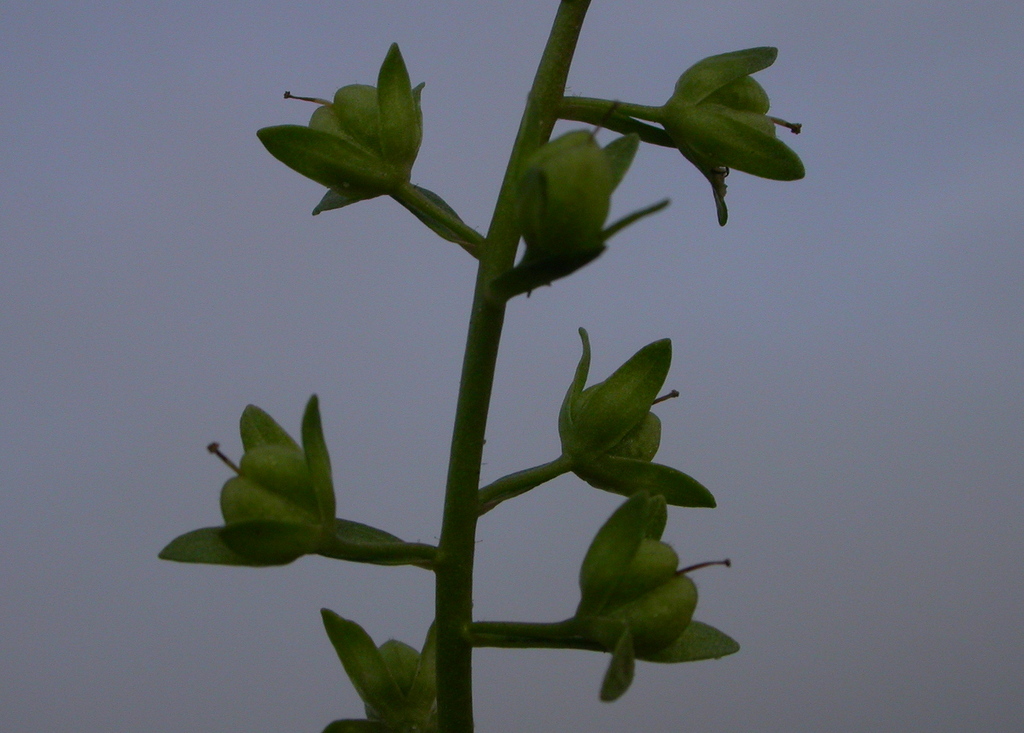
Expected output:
(849, 349)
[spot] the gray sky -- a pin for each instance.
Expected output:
(848, 349)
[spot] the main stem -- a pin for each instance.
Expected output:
(454, 562)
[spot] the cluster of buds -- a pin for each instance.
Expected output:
(611, 436)
(363, 143)
(635, 601)
(398, 685)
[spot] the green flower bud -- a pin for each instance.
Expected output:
(402, 662)
(641, 443)
(717, 117)
(653, 564)
(273, 483)
(593, 421)
(397, 683)
(564, 197)
(659, 617)
(363, 143)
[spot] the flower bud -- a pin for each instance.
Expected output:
(659, 617)
(717, 119)
(363, 143)
(273, 484)
(595, 420)
(397, 683)
(641, 443)
(564, 197)
(653, 564)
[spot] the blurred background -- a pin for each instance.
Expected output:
(849, 350)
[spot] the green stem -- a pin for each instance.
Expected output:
(518, 635)
(454, 562)
(508, 487)
(617, 116)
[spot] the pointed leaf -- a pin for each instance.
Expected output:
(737, 139)
(330, 160)
(711, 74)
(337, 200)
(620, 153)
(423, 693)
(318, 460)
(610, 554)
(626, 476)
(619, 676)
(205, 546)
(531, 274)
(699, 641)
(356, 532)
(364, 664)
(579, 381)
(268, 542)
(437, 226)
(258, 428)
(357, 542)
(614, 228)
(400, 121)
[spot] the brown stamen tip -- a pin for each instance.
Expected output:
(215, 449)
(794, 127)
(669, 396)
(727, 562)
(316, 100)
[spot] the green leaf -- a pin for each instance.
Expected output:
(258, 429)
(318, 461)
(610, 554)
(533, 273)
(423, 693)
(579, 381)
(617, 226)
(619, 675)
(330, 160)
(357, 726)
(358, 542)
(356, 532)
(657, 517)
(711, 74)
(269, 542)
(698, 642)
(620, 153)
(737, 139)
(438, 226)
(205, 546)
(627, 476)
(337, 200)
(364, 665)
(400, 118)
